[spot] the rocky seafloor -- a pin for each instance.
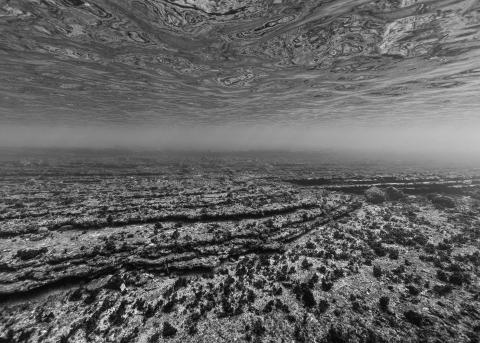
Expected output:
(234, 252)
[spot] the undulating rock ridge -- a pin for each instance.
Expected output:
(408, 184)
(88, 203)
(209, 60)
(41, 260)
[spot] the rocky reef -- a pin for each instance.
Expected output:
(196, 253)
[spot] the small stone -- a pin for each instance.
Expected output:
(168, 330)
(414, 318)
(43, 229)
(65, 228)
(28, 254)
(383, 303)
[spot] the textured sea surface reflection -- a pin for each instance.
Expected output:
(203, 61)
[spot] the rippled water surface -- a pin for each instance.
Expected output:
(224, 61)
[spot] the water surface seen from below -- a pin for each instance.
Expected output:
(193, 62)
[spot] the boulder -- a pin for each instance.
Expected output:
(442, 201)
(394, 194)
(375, 195)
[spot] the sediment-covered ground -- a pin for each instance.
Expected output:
(225, 250)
